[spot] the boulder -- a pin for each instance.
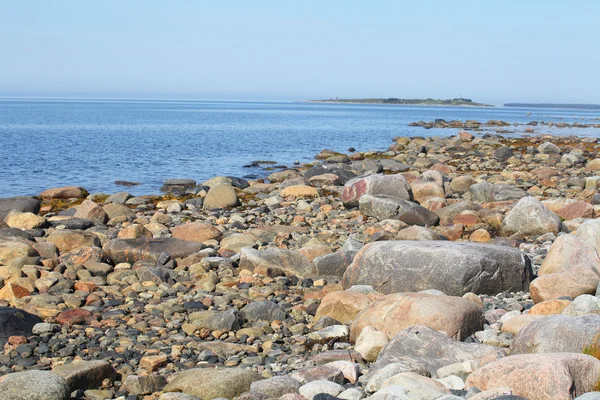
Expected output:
(24, 220)
(423, 345)
(276, 261)
(10, 250)
(299, 191)
(66, 192)
(16, 322)
(387, 207)
(263, 311)
(370, 342)
(19, 204)
(559, 376)
(114, 210)
(210, 383)
(34, 385)
(67, 240)
(85, 375)
(557, 334)
(237, 241)
(453, 268)
(569, 251)
(572, 283)
(220, 196)
(195, 232)
(456, 316)
(583, 305)
(590, 232)
(276, 386)
(529, 217)
(416, 386)
(133, 250)
(91, 211)
(376, 185)
(548, 148)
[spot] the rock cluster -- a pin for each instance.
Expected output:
(442, 268)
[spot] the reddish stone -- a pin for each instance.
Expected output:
(579, 209)
(17, 340)
(76, 316)
(466, 219)
(85, 286)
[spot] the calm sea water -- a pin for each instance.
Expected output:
(95, 143)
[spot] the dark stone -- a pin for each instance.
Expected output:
(133, 250)
(73, 223)
(20, 204)
(16, 322)
(503, 153)
(344, 174)
(263, 311)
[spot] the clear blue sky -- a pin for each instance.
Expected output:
(493, 51)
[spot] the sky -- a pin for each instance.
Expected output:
(489, 51)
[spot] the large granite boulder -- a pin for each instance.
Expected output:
(19, 204)
(210, 383)
(557, 334)
(557, 376)
(132, 250)
(456, 316)
(375, 185)
(16, 322)
(434, 350)
(453, 268)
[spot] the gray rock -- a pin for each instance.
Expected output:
(334, 264)
(482, 192)
(133, 250)
(503, 153)
(221, 196)
(212, 383)
(394, 186)
(311, 389)
(557, 334)
(263, 311)
(529, 217)
(177, 396)
(504, 192)
(34, 385)
(589, 396)
(118, 198)
(16, 322)
(143, 384)
(344, 174)
(276, 386)
(582, 305)
(376, 378)
(20, 204)
(229, 320)
(386, 207)
(277, 261)
(432, 349)
(454, 268)
(86, 374)
(548, 148)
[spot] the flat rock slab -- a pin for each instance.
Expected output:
(132, 250)
(453, 268)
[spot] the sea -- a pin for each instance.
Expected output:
(94, 143)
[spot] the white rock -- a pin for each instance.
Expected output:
(370, 342)
(311, 389)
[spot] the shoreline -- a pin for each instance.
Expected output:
(234, 287)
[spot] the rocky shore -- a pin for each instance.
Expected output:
(442, 268)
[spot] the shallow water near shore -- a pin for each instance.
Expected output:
(50, 143)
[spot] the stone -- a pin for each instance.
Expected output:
(515, 324)
(276, 261)
(416, 386)
(382, 208)
(133, 250)
(16, 322)
(376, 185)
(75, 316)
(66, 192)
(503, 153)
(153, 363)
(416, 232)
(312, 389)
(343, 306)
(482, 192)
(548, 148)
(423, 190)
(118, 198)
(569, 251)
(177, 396)
(321, 372)
(453, 268)
(370, 342)
(208, 383)
(24, 220)
(18, 204)
(350, 370)
(582, 305)
(276, 386)
(299, 191)
(220, 196)
(237, 241)
(83, 375)
(572, 283)
(329, 334)
(34, 385)
(143, 384)
(91, 211)
(461, 184)
(10, 250)
(549, 307)
(377, 377)
(557, 334)
(423, 345)
(196, 232)
(456, 316)
(590, 232)
(557, 376)
(529, 217)
(263, 311)
(118, 210)
(229, 320)
(579, 209)
(67, 240)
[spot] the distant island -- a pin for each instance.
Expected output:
(554, 105)
(413, 102)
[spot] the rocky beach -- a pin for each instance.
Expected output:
(461, 267)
